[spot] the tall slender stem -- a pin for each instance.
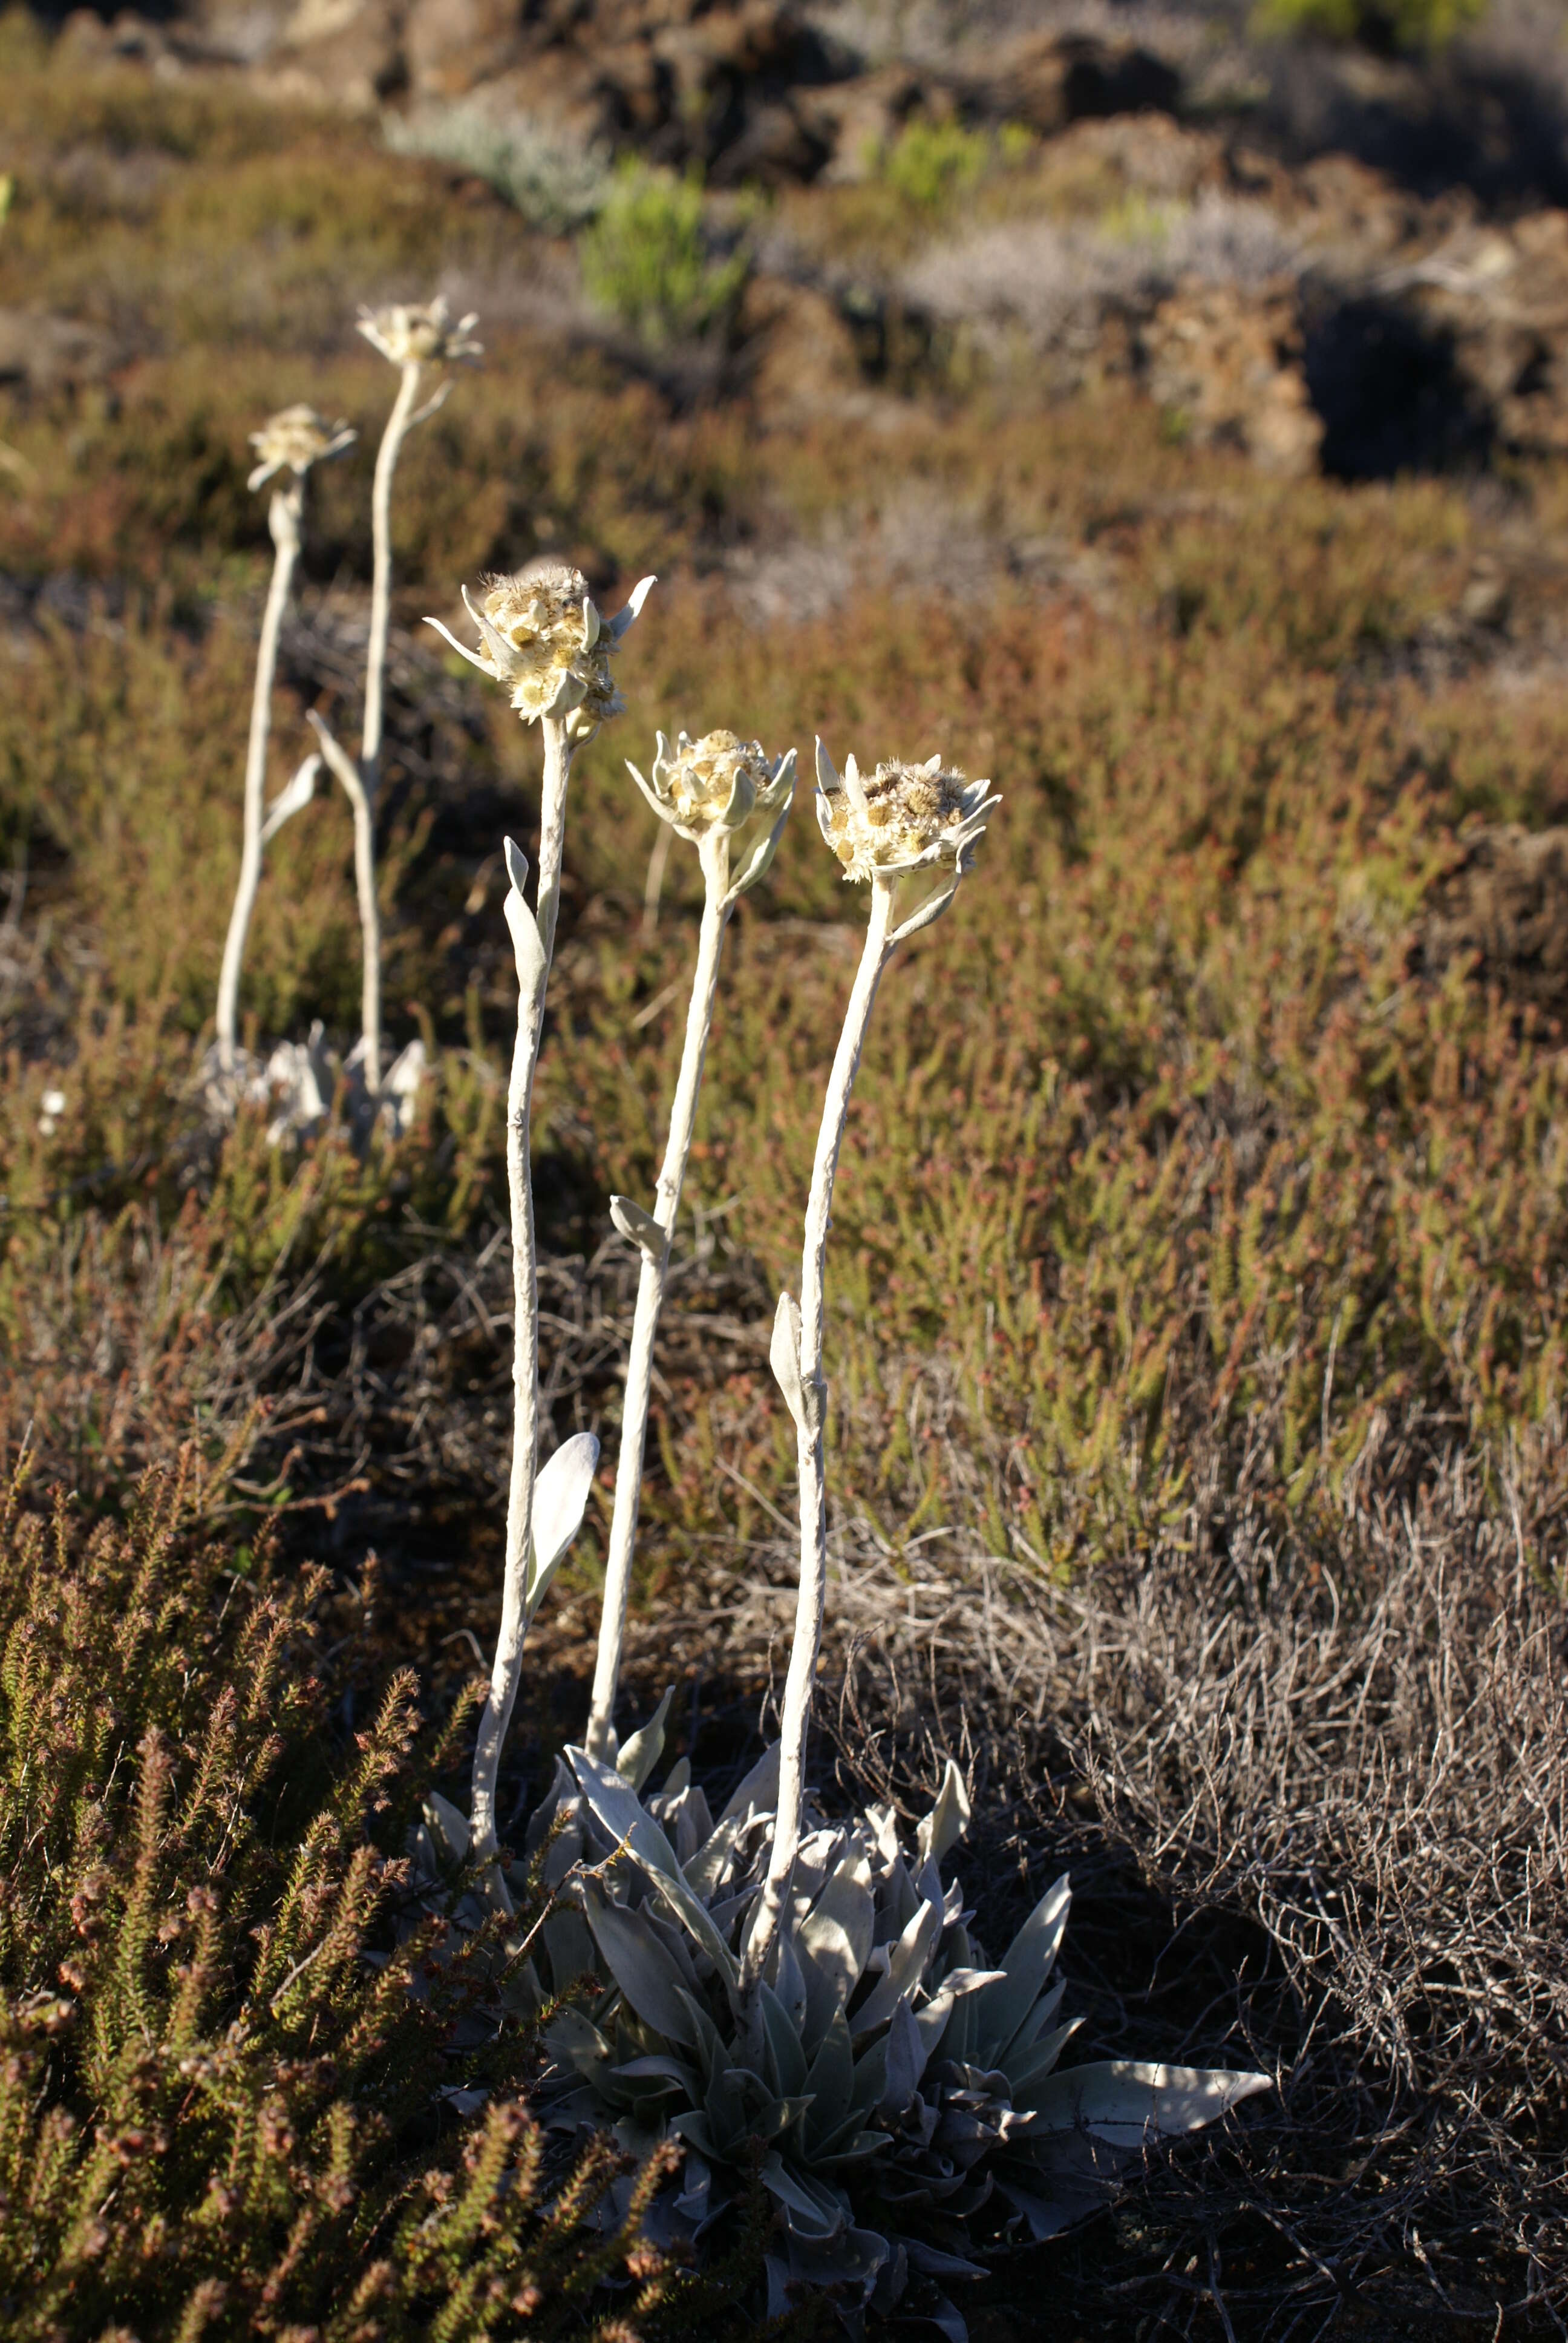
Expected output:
(552, 830)
(381, 575)
(651, 1285)
(283, 520)
(534, 953)
(369, 933)
(362, 799)
(807, 1646)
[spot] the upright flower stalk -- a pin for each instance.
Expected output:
(290, 441)
(730, 801)
(542, 636)
(897, 821)
(411, 337)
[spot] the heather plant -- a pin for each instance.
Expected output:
(251, 2082)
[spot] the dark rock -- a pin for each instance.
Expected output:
(1504, 904)
(1228, 362)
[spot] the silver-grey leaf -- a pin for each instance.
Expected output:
(947, 1820)
(784, 1356)
(1028, 1961)
(640, 1228)
(1128, 2103)
(643, 1749)
(640, 1967)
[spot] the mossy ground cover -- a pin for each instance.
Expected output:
(1183, 1177)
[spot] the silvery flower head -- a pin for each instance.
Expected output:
(901, 818)
(715, 783)
(294, 440)
(544, 638)
(415, 333)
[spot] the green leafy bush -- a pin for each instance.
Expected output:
(648, 261)
(930, 164)
(232, 2100)
(1375, 24)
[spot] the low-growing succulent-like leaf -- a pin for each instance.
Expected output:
(450, 1826)
(1128, 2103)
(831, 2081)
(643, 1749)
(616, 1808)
(641, 1967)
(908, 1962)
(1030, 2068)
(560, 1498)
(835, 1942)
(1028, 1961)
(756, 1794)
(905, 2061)
(782, 2038)
(947, 1820)
(1035, 2024)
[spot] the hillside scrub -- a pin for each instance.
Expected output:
(1200, 1280)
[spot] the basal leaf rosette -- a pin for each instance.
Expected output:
(543, 637)
(900, 2087)
(415, 333)
(295, 438)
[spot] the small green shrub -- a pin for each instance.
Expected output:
(232, 2098)
(1374, 24)
(930, 162)
(648, 261)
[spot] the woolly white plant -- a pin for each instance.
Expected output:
(412, 337)
(542, 636)
(782, 1992)
(290, 441)
(899, 826)
(730, 800)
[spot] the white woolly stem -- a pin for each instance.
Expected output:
(363, 798)
(650, 1286)
(283, 520)
(381, 574)
(506, 1673)
(805, 1649)
(552, 830)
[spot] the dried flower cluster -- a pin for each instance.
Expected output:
(900, 816)
(544, 638)
(295, 438)
(713, 783)
(412, 333)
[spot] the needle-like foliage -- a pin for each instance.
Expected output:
(232, 2101)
